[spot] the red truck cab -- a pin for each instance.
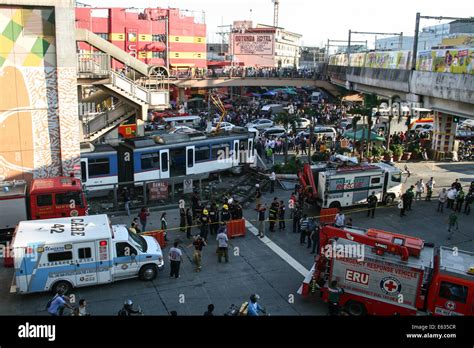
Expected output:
(56, 197)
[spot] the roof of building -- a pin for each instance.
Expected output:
(71, 229)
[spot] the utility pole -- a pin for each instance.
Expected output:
(349, 50)
(415, 41)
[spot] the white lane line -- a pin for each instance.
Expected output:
(279, 251)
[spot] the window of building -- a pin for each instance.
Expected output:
(67, 197)
(176, 55)
(84, 253)
(44, 200)
(99, 166)
(150, 161)
(61, 256)
(104, 36)
(202, 154)
(199, 39)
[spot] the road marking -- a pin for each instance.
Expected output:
(279, 251)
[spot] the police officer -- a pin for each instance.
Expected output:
(225, 214)
(204, 220)
(372, 203)
(272, 216)
(335, 293)
(213, 218)
(238, 211)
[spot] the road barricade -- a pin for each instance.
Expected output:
(159, 236)
(236, 228)
(328, 216)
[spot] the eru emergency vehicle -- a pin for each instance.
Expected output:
(80, 251)
(347, 185)
(384, 273)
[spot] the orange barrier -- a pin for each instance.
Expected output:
(236, 228)
(159, 236)
(328, 216)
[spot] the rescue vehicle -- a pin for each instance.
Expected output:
(384, 273)
(45, 198)
(338, 186)
(74, 252)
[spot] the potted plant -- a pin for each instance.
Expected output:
(387, 155)
(377, 153)
(397, 152)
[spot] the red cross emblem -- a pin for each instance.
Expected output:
(390, 286)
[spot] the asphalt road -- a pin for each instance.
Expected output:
(256, 265)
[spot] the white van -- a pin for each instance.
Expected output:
(74, 252)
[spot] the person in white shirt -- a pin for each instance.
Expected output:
(175, 256)
(452, 193)
(272, 182)
(442, 197)
(223, 244)
(420, 188)
(429, 188)
(340, 219)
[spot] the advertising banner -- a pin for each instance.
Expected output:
(456, 61)
(158, 190)
(252, 44)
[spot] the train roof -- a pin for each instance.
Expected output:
(176, 139)
(100, 148)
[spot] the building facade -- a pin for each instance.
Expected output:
(264, 46)
(156, 36)
(39, 127)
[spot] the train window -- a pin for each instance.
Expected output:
(83, 171)
(44, 200)
(164, 161)
(67, 197)
(236, 151)
(220, 151)
(190, 158)
(202, 154)
(150, 161)
(99, 167)
(61, 256)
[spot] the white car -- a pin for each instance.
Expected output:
(183, 130)
(302, 123)
(226, 126)
(261, 123)
(321, 131)
(274, 132)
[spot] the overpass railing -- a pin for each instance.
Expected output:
(96, 64)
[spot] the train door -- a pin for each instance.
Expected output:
(165, 164)
(250, 154)
(190, 159)
(235, 154)
(125, 166)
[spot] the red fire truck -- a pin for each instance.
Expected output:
(46, 198)
(384, 273)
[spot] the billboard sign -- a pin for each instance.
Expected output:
(252, 44)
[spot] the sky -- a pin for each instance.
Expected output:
(316, 20)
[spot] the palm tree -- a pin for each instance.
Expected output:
(355, 120)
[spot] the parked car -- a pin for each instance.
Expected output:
(227, 126)
(272, 108)
(261, 123)
(321, 131)
(302, 123)
(274, 132)
(183, 130)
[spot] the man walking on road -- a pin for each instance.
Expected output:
(223, 244)
(340, 219)
(452, 193)
(175, 255)
(420, 188)
(372, 203)
(442, 197)
(429, 188)
(452, 224)
(410, 195)
(261, 220)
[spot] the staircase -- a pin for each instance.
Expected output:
(94, 126)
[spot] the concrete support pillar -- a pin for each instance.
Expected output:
(443, 135)
(181, 96)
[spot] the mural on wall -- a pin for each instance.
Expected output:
(34, 142)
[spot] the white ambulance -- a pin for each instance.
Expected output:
(346, 186)
(73, 252)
